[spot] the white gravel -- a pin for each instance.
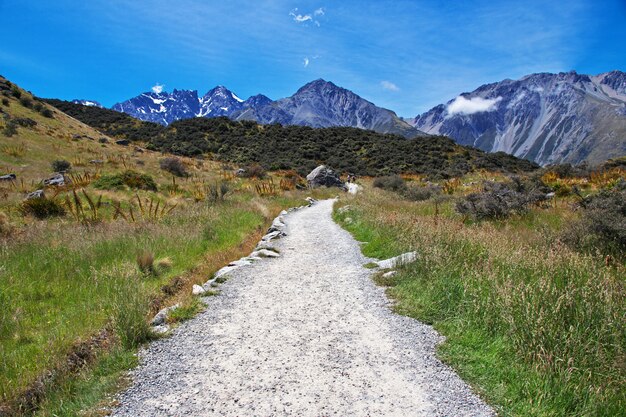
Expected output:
(305, 334)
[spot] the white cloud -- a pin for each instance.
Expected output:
(300, 18)
(388, 85)
(306, 62)
(158, 88)
(461, 105)
(308, 17)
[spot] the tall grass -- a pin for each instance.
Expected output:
(536, 327)
(60, 281)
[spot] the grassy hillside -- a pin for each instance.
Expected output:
(528, 291)
(83, 268)
(301, 148)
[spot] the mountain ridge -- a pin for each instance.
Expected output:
(548, 118)
(319, 103)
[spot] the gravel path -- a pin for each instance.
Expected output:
(305, 334)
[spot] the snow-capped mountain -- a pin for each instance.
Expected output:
(162, 107)
(323, 104)
(317, 104)
(547, 118)
(91, 103)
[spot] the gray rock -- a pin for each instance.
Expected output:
(96, 161)
(161, 329)
(273, 235)
(56, 179)
(240, 172)
(324, 176)
(399, 260)
(265, 253)
(390, 274)
(161, 316)
(8, 177)
(36, 194)
(224, 271)
(197, 290)
(344, 209)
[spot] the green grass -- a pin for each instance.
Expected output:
(63, 285)
(535, 328)
(91, 389)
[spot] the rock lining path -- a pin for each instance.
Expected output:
(305, 334)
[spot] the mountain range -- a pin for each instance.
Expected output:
(547, 118)
(317, 104)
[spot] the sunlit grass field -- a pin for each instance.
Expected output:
(536, 327)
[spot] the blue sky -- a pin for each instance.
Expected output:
(403, 55)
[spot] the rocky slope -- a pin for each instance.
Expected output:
(547, 118)
(317, 104)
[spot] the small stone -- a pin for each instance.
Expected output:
(264, 253)
(197, 290)
(399, 260)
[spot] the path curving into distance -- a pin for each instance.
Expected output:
(305, 334)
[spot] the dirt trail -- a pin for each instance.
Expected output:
(305, 334)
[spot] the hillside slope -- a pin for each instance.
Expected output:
(547, 118)
(362, 152)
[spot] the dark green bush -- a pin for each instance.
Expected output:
(26, 101)
(25, 121)
(174, 166)
(602, 223)
(254, 171)
(61, 165)
(499, 200)
(390, 183)
(46, 112)
(5, 101)
(130, 179)
(42, 208)
(10, 129)
(17, 93)
(417, 193)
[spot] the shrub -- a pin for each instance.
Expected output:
(5, 101)
(42, 208)
(501, 199)
(17, 93)
(6, 228)
(25, 121)
(145, 262)
(130, 307)
(131, 179)
(46, 112)
(10, 129)
(61, 165)
(602, 224)
(26, 102)
(38, 107)
(254, 171)
(417, 193)
(174, 166)
(390, 183)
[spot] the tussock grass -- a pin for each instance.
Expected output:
(537, 328)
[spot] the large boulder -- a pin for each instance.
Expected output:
(324, 176)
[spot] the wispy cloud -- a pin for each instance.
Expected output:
(312, 17)
(388, 85)
(158, 88)
(461, 105)
(306, 62)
